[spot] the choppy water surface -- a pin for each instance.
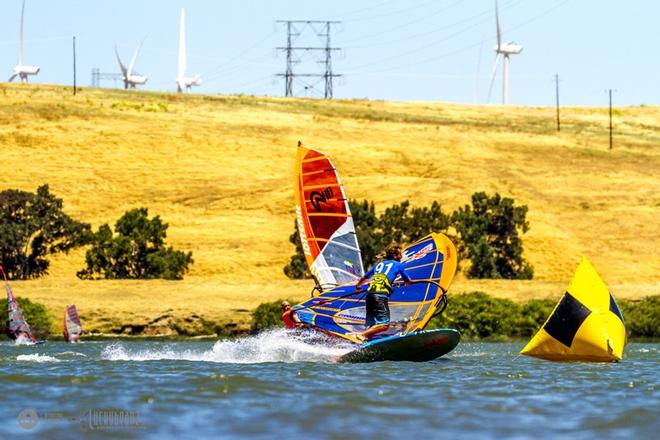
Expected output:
(274, 384)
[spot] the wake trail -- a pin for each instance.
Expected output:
(270, 346)
(36, 357)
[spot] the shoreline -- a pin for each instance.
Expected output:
(203, 338)
(195, 306)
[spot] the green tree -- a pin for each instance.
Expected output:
(136, 250)
(490, 238)
(297, 267)
(642, 317)
(533, 315)
(32, 227)
(478, 315)
(402, 224)
(267, 315)
(399, 223)
(367, 230)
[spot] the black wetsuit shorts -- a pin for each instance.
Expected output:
(378, 309)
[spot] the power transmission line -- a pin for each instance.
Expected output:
(97, 76)
(408, 8)
(453, 52)
(239, 55)
(388, 31)
(357, 11)
(74, 65)
(294, 29)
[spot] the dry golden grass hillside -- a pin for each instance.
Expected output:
(219, 170)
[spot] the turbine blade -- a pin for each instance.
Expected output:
(182, 46)
(11, 78)
(121, 65)
(497, 24)
(137, 51)
(492, 78)
(20, 37)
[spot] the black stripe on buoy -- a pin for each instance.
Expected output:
(566, 320)
(614, 308)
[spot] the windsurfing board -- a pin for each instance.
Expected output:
(420, 346)
(29, 342)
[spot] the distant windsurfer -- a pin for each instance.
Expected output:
(379, 290)
(289, 316)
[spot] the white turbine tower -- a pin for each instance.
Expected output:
(503, 51)
(131, 78)
(181, 81)
(20, 70)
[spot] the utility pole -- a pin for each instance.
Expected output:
(557, 99)
(74, 65)
(288, 86)
(610, 93)
(328, 62)
(322, 29)
(96, 72)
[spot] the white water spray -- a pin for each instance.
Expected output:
(271, 346)
(36, 357)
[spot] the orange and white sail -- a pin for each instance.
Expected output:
(325, 224)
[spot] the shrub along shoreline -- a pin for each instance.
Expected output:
(476, 315)
(479, 316)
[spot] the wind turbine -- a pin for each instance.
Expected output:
(129, 77)
(20, 70)
(503, 51)
(181, 80)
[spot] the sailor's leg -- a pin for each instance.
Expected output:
(378, 315)
(373, 330)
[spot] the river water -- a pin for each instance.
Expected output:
(276, 385)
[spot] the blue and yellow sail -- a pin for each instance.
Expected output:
(430, 262)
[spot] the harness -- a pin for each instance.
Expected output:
(288, 321)
(380, 284)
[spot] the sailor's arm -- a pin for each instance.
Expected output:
(404, 275)
(363, 279)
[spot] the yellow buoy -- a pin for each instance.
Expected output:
(586, 325)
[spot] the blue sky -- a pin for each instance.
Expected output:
(415, 50)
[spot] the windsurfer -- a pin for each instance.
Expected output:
(379, 290)
(289, 316)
